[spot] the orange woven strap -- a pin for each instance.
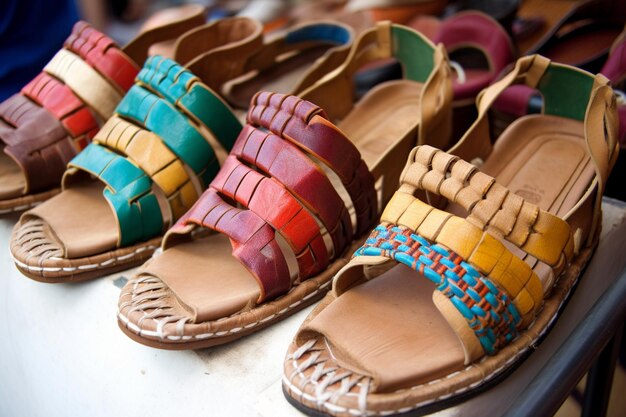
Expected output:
(491, 206)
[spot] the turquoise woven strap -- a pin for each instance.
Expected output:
(160, 117)
(183, 89)
(129, 190)
(487, 309)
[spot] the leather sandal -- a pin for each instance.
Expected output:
(152, 159)
(519, 100)
(573, 32)
(58, 113)
(146, 166)
(439, 304)
(291, 61)
(293, 196)
(479, 49)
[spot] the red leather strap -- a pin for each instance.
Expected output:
(36, 140)
(102, 53)
(263, 196)
(253, 240)
(275, 177)
(280, 159)
(306, 126)
(61, 101)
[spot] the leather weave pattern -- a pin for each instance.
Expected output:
(59, 111)
(151, 141)
(272, 172)
(487, 309)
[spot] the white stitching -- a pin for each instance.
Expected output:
(20, 208)
(365, 412)
(144, 332)
(82, 267)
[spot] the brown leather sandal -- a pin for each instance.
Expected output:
(498, 264)
(574, 32)
(59, 112)
(153, 158)
(267, 236)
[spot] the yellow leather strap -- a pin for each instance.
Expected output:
(490, 205)
(483, 251)
(147, 150)
(86, 82)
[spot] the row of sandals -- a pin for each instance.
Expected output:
(479, 240)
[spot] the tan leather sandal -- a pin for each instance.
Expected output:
(58, 113)
(295, 193)
(438, 304)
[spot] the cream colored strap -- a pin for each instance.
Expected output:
(85, 81)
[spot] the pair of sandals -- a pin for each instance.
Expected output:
(500, 249)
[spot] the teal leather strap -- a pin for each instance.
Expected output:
(129, 191)
(415, 53)
(160, 117)
(181, 88)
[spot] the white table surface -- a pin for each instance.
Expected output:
(62, 354)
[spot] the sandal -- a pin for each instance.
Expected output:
(284, 63)
(479, 49)
(267, 236)
(574, 32)
(152, 160)
(58, 113)
(519, 100)
(498, 265)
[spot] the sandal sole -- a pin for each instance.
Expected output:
(216, 341)
(288, 304)
(125, 258)
(26, 202)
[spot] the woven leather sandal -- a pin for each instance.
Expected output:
(437, 304)
(145, 168)
(307, 189)
(58, 113)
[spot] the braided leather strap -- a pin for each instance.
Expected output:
(153, 148)
(487, 309)
(59, 111)
(273, 174)
(491, 206)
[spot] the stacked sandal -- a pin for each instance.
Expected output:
(292, 199)
(438, 303)
(58, 113)
(159, 150)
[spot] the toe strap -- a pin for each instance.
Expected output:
(486, 308)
